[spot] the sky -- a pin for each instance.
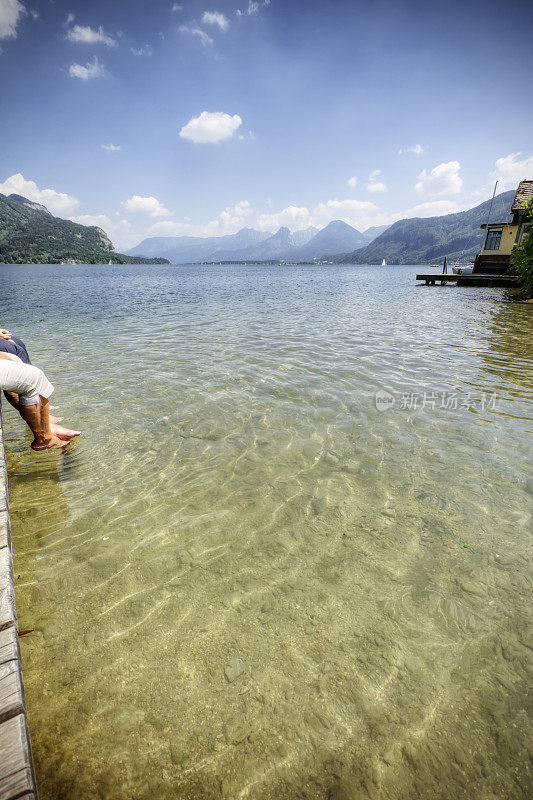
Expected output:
(155, 118)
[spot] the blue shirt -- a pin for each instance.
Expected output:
(16, 347)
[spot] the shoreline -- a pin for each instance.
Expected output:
(17, 775)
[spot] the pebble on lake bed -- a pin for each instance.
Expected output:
(234, 669)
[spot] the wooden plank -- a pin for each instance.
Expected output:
(9, 646)
(11, 691)
(4, 498)
(488, 280)
(8, 614)
(5, 529)
(471, 279)
(437, 276)
(16, 768)
(3, 479)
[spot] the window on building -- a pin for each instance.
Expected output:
(493, 239)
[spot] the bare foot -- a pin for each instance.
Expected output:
(56, 419)
(63, 433)
(49, 444)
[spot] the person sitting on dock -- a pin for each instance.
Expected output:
(27, 389)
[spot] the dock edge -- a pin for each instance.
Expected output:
(17, 774)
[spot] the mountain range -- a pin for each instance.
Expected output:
(30, 234)
(420, 240)
(429, 239)
(251, 245)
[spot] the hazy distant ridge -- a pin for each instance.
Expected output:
(251, 245)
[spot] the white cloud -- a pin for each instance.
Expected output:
(510, 170)
(230, 220)
(234, 217)
(373, 184)
(434, 208)
(170, 228)
(84, 34)
(359, 213)
(11, 12)
(92, 69)
(416, 149)
(145, 50)
(188, 228)
(56, 202)
(119, 231)
(352, 182)
(111, 148)
(211, 127)
(443, 179)
(252, 8)
(202, 35)
(215, 18)
(293, 217)
(145, 205)
(100, 220)
(376, 187)
(176, 7)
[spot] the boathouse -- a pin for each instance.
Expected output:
(492, 266)
(501, 237)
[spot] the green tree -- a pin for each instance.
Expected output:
(523, 256)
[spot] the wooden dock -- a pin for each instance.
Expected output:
(17, 776)
(473, 279)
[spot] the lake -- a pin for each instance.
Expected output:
(290, 555)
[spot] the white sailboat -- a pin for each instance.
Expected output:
(383, 263)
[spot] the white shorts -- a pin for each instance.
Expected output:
(25, 380)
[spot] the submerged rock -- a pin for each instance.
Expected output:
(234, 669)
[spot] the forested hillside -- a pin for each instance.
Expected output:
(29, 234)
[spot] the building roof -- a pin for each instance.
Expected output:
(523, 194)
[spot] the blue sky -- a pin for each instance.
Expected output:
(160, 118)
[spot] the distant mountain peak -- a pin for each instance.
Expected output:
(303, 236)
(339, 225)
(18, 198)
(249, 244)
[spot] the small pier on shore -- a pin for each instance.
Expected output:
(472, 279)
(17, 776)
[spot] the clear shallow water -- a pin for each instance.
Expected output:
(245, 580)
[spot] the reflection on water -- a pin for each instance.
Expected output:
(510, 346)
(245, 580)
